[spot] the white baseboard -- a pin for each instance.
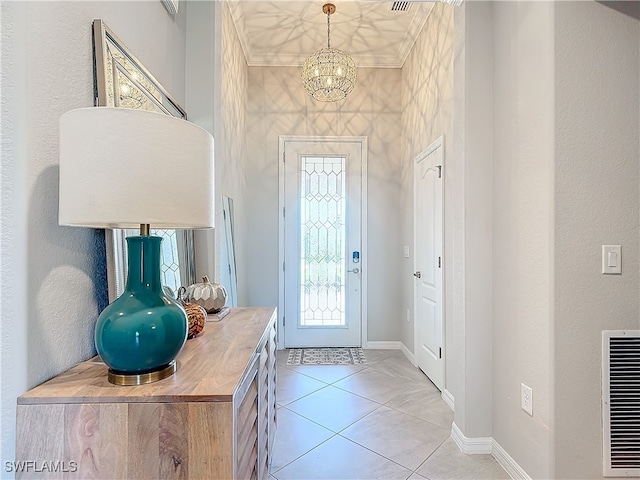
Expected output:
(447, 397)
(383, 345)
(471, 446)
(507, 462)
(487, 445)
(407, 353)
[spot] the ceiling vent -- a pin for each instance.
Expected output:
(621, 402)
(400, 6)
(171, 6)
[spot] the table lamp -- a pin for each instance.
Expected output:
(125, 168)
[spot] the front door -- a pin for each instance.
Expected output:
(428, 228)
(321, 245)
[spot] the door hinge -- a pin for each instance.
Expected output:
(439, 262)
(283, 266)
(439, 171)
(440, 352)
(224, 214)
(284, 212)
(283, 157)
(283, 322)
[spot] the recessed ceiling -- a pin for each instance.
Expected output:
(285, 33)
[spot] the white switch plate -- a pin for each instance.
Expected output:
(612, 259)
(406, 251)
(526, 398)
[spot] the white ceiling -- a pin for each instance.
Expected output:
(285, 33)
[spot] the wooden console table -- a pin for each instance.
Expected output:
(213, 419)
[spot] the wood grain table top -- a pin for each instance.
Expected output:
(210, 367)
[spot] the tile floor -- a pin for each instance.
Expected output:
(382, 420)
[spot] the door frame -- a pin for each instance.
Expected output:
(438, 143)
(364, 149)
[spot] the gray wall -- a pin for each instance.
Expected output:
(523, 174)
(564, 179)
(470, 360)
(596, 202)
(201, 84)
(53, 281)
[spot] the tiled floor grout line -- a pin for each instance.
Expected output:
(308, 419)
(340, 432)
(431, 454)
(358, 395)
(317, 379)
(324, 426)
(305, 453)
(381, 455)
(404, 396)
(381, 404)
(311, 449)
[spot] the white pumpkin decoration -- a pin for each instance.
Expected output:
(210, 296)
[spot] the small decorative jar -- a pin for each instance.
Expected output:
(197, 318)
(196, 315)
(211, 296)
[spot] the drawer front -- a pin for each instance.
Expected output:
(120, 441)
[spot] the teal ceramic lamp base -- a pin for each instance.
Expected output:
(140, 334)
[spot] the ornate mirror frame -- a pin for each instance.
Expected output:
(120, 80)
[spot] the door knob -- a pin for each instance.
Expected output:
(417, 274)
(355, 270)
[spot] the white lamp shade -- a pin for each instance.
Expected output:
(120, 168)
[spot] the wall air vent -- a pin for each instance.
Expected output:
(621, 402)
(400, 6)
(171, 6)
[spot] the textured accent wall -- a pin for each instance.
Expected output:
(231, 154)
(53, 279)
(278, 105)
(427, 113)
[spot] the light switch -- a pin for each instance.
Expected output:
(612, 259)
(406, 251)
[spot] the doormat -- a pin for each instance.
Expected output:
(326, 356)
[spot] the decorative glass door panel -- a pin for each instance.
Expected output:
(321, 193)
(322, 235)
(172, 261)
(170, 266)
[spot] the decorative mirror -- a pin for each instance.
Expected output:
(228, 254)
(122, 81)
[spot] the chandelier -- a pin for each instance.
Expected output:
(329, 75)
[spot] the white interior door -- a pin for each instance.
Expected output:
(428, 230)
(321, 245)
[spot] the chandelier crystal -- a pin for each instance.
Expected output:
(329, 75)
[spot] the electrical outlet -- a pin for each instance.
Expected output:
(526, 398)
(408, 315)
